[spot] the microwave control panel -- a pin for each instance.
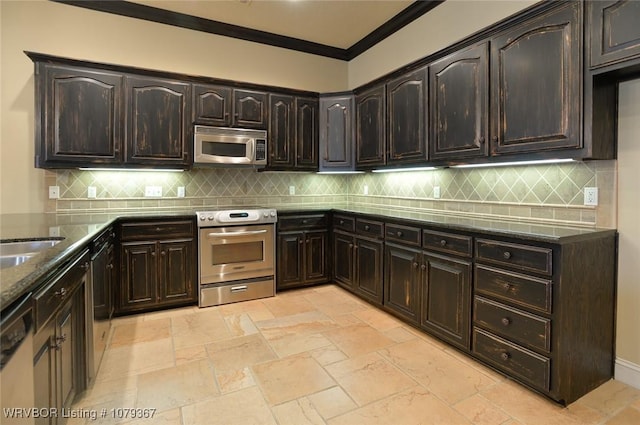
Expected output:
(261, 149)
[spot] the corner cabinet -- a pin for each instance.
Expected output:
(536, 83)
(158, 122)
(302, 246)
(80, 115)
(459, 104)
(336, 132)
(157, 265)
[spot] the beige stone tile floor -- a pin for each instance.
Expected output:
(314, 356)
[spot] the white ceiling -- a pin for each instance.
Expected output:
(336, 23)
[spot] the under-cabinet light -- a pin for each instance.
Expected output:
(506, 164)
(155, 170)
(340, 172)
(397, 170)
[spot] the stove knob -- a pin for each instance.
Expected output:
(210, 218)
(202, 218)
(273, 213)
(266, 214)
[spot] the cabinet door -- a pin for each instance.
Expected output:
(44, 371)
(337, 138)
(250, 109)
(368, 260)
(614, 29)
(459, 105)
(66, 366)
(158, 122)
(402, 281)
(176, 268)
(370, 127)
(306, 112)
(290, 269)
(138, 285)
(446, 299)
(536, 84)
(101, 279)
(407, 111)
(82, 117)
(212, 105)
(316, 262)
(281, 131)
(343, 244)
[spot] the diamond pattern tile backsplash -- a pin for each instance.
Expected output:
(544, 193)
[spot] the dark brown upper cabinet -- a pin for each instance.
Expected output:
(459, 105)
(212, 105)
(407, 104)
(281, 131)
(80, 113)
(250, 109)
(306, 126)
(536, 84)
(293, 133)
(336, 132)
(614, 28)
(158, 122)
(371, 127)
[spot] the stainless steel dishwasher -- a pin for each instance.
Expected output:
(16, 363)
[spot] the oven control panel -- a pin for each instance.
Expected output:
(231, 217)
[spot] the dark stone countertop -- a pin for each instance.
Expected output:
(78, 230)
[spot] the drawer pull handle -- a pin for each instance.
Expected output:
(443, 242)
(61, 293)
(505, 356)
(367, 227)
(239, 288)
(304, 221)
(399, 234)
(506, 321)
(506, 255)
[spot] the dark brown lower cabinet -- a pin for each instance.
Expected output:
(446, 298)
(302, 258)
(158, 265)
(402, 280)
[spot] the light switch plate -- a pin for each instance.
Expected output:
(436, 192)
(91, 192)
(54, 192)
(153, 191)
(365, 190)
(181, 192)
(292, 190)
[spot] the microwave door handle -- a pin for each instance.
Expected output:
(251, 146)
(226, 235)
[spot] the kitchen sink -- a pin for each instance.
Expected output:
(16, 253)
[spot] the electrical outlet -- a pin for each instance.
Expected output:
(292, 190)
(365, 190)
(436, 192)
(181, 192)
(153, 191)
(591, 196)
(91, 192)
(54, 231)
(54, 192)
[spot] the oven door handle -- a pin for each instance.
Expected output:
(247, 233)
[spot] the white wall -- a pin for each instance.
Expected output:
(448, 23)
(69, 31)
(628, 332)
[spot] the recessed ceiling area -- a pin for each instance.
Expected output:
(333, 23)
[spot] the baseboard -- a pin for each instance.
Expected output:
(627, 372)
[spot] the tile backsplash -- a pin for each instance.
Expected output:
(542, 193)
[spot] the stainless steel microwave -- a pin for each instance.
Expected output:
(223, 146)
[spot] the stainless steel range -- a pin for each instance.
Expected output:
(236, 255)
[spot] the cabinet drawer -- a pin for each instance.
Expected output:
(345, 223)
(157, 230)
(305, 221)
(372, 229)
(58, 290)
(447, 242)
(104, 237)
(527, 291)
(524, 328)
(405, 234)
(513, 359)
(524, 257)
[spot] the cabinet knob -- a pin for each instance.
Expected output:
(506, 255)
(163, 253)
(481, 140)
(62, 338)
(85, 266)
(301, 241)
(415, 265)
(367, 227)
(110, 266)
(506, 321)
(61, 293)
(505, 356)
(350, 246)
(506, 286)
(341, 221)
(399, 234)
(423, 267)
(153, 253)
(494, 139)
(443, 242)
(158, 229)
(308, 240)
(305, 221)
